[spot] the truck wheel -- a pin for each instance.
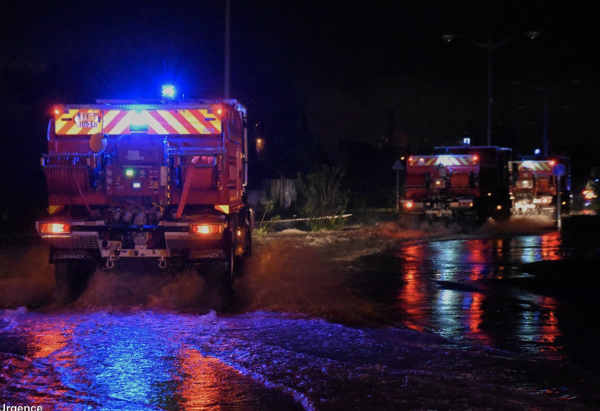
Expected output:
(230, 266)
(248, 240)
(240, 261)
(71, 279)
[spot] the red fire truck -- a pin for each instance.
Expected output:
(160, 181)
(536, 183)
(458, 182)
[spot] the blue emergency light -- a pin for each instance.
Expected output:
(168, 91)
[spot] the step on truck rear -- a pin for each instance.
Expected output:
(160, 181)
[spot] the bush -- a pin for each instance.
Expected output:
(324, 200)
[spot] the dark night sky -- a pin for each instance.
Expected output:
(347, 64)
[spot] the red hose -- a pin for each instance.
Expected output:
(87, 206)
(186, 187)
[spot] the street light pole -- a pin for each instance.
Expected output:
(226, 85)
(490, 46)
(546, 89)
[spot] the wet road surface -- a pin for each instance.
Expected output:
(323, 322)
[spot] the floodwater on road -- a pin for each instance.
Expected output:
(382, 319)
(478, 289)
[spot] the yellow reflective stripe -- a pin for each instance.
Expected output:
(216, 123)
(172, 121)
(194, 122)
(73, 129)
(153, 124)
(123, 124)
(109, 116)
(63, 126)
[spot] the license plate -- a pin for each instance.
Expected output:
(87, 120)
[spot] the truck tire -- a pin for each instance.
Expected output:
(248, 248)
(230, 266)
(71, 279)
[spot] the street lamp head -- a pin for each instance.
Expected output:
(533, 34)
(448, 37)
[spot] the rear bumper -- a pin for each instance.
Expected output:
(98, 241)
(438, 209)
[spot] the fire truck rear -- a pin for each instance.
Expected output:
(158, 181)
(463, 182)
(535, 185)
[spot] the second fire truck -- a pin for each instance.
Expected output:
(536, 183)
(458, 182)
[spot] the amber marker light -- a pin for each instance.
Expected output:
(206, 229)
(54, 228)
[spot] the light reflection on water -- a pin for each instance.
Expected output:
(132, 360)
(452, 287)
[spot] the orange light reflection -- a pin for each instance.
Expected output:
(474, 319)
(413, 296)
(48, 341)
(550, 247)
(206, 384)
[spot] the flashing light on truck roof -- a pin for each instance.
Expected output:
(168, 91)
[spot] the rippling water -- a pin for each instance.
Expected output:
(302, 337)
(140, 360)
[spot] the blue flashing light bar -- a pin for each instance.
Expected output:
(168, 91)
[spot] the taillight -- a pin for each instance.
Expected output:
(54, 228)
(409, 204)
(206, 229)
